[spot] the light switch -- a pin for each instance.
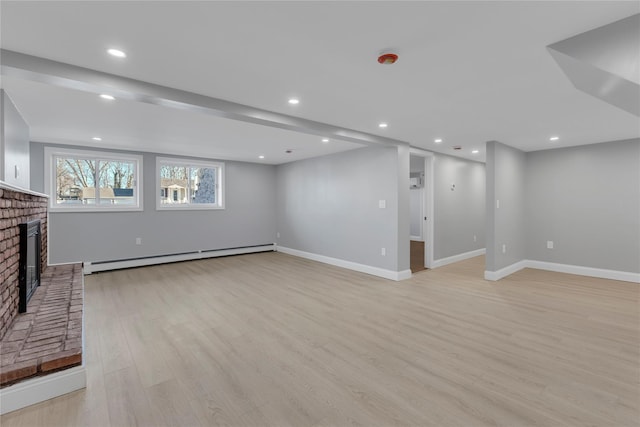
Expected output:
(382, 204)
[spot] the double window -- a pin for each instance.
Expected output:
(79, 180)
(189, 184)
(92, 181)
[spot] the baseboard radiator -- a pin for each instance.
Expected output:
(96, 266)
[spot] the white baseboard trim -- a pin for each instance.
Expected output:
(39, 389)
(402, 275)
(362, 268)
(602, 273)
(455, 258)
(506, 271)
(90, 267)
(63, 263)
(624, 276)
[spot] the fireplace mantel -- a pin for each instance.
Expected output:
(7, 186)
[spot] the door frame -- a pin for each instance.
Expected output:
(428, 201)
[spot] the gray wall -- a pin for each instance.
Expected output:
(505, 225)
(460, 214)
(587, 201)
(14, 146)
(248, 219)
(329, 206)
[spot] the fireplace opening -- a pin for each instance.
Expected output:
(29, 264)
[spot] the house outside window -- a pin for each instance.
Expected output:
(79, 180)
(189, 184)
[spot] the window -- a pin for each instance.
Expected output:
(189, 184)
(79, 180)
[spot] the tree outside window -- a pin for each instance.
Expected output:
(189, 184)
(86, 179)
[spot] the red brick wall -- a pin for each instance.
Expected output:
(16, 208)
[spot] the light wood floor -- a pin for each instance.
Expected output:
(271, 339)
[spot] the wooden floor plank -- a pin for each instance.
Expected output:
(271, 339)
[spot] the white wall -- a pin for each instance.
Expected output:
(14, 144)
(247, 220)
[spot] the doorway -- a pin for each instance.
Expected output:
(417, 256)
(420, 210)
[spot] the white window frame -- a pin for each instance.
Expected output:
(51, 153)
(220, 184)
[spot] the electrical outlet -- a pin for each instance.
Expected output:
(278, 234)
(504, 249)
(549, 244)
(383, 251)
(138, 240)
(498, 204)
(475, 238)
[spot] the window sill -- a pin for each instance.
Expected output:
(189, 208)
(78, 210)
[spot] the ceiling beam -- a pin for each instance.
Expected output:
(33, 68)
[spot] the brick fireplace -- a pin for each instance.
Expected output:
(45, 336)
(16, 207)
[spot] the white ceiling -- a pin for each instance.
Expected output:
(468, 72)
(139, 126)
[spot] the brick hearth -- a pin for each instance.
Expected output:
(16, 207)
(48, 337)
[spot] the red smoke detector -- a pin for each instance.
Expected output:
(388, 58)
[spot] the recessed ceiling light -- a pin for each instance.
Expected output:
(294, 101)
(117, 53)
(105, 96)
(437, 140)
(325, 140)
(383, 125)
(97, 138)
(475, 152)
(261, 157)
(554, 138)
